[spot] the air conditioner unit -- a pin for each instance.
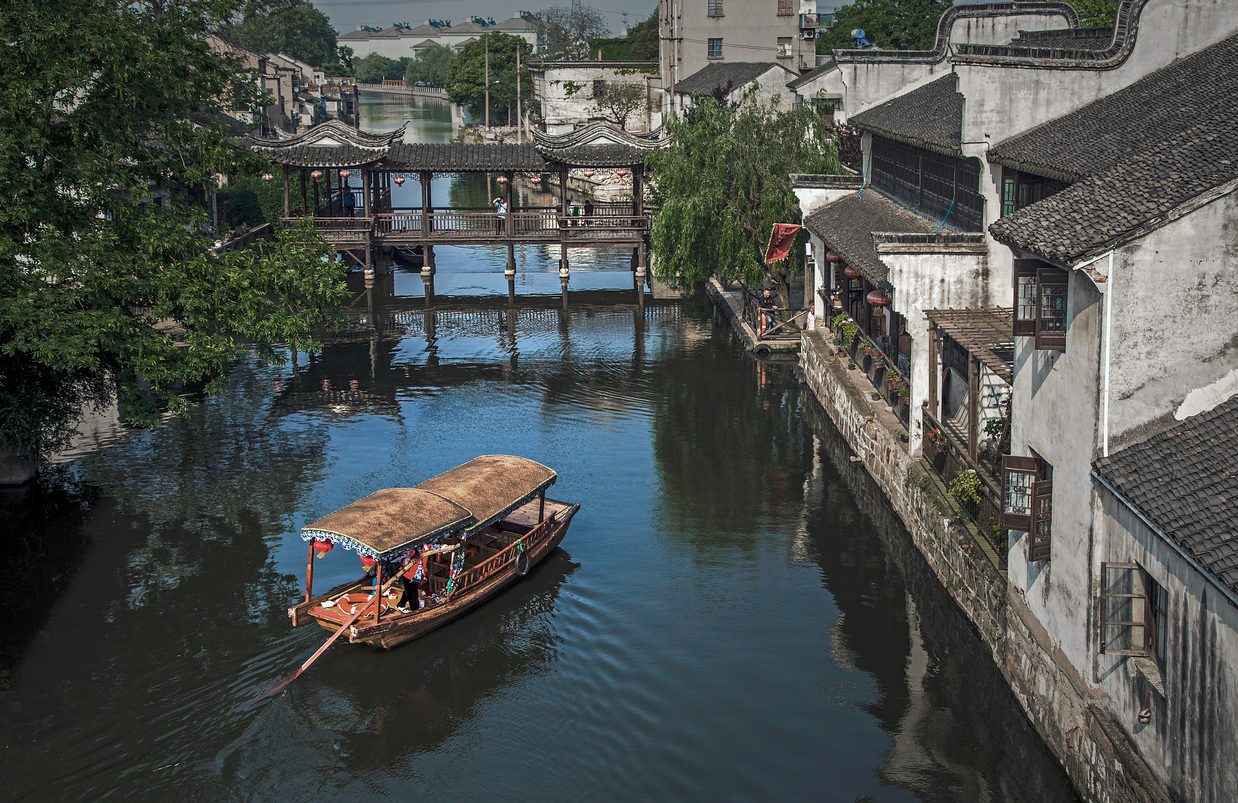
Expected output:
(808, 35)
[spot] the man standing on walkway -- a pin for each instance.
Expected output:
(500, 210)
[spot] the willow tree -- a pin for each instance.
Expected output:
(112, 134)
(723, 184)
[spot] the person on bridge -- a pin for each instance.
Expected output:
(350, 201)
(500, 210)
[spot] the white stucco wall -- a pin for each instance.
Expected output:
(1192, 739)
(1055, 412)
(551, 87)
(1004, 101)
(1175, 322)
(931, 276)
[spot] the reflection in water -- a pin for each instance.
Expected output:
(740, 618)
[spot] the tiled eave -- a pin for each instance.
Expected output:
(849, 225)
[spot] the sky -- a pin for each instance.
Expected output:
(346, 15)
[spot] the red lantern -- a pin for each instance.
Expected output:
(589, 174)
(345, 173)
(317, 174)
(367, 561)
(621, 173)
(323, 547)
(502, 179)
(267, 177)
(878, 298)
(399, 181)
(830, 256)
(851, 273)
(535, 180)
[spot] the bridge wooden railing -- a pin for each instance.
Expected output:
(445, 224)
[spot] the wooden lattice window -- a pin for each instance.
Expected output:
(785, 8)
(1025, 297)
(1040, 303)
(1027, 502)
(1051, 309)
(1019, 476)
(1134, 610)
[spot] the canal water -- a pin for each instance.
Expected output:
(735, 614)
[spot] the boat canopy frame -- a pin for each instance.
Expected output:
(463, 500)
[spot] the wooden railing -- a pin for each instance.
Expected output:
(779, 326)
(947, 454)
(529, 542)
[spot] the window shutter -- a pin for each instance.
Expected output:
(1051, 309)
(1025, 296)
(1019, 474)
(1123, 609)
(1041, 532)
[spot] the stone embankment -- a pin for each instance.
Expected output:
(1093, 749)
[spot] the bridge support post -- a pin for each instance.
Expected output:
(509, 273)
(564, 273)
(427, 261)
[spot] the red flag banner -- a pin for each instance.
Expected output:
(780, 241)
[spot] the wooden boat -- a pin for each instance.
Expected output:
(484, 525)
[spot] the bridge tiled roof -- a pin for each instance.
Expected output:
(459, 157)
(333, 144)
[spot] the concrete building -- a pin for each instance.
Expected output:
(565, 90)
(1036, 214)
(402, 41)
(702, 32)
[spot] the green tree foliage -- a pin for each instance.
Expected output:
(1096, 13)
(292, 27)
(430, 66)
(889, 24)
(565, 31)
(615, 101)
(108, 148)
(641, 43)
(724, 183)
(466, 83)
(374, 69)
(644, 36)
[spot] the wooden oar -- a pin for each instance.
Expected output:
(365, 608)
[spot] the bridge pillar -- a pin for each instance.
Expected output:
(427, 261)
(509, 273)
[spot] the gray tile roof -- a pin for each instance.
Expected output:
(1066, 39)
(720, 73)
(930, 117)
(813, 75)
(848, 227)
(464, 158)
(1134, 156)
(1185, 481)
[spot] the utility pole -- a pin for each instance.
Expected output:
(486, 36)
(519, 116)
